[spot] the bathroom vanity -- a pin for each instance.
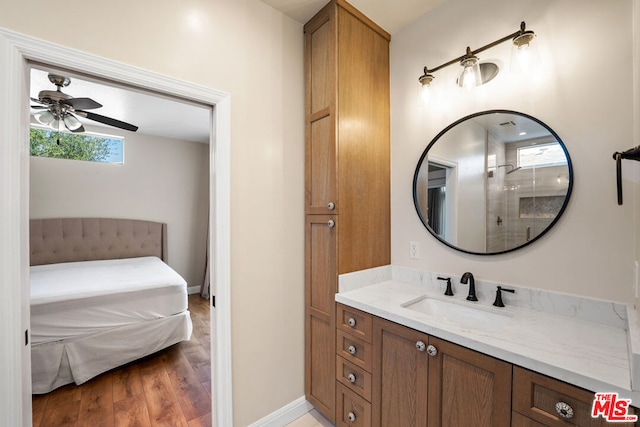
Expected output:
(406, 354)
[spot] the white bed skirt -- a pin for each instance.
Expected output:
(81, 358)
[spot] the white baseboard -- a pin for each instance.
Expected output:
(193, 290)
(286, 414)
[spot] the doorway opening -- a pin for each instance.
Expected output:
(19, 51)
(161, 176)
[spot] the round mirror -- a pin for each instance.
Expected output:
(492, 182)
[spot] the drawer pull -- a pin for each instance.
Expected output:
(331, 223)
(351, 416)
(431, 350)
(351, 349)
(351, 322)
(420, 346)
(564, 410)
(331, 206)
(351, 378)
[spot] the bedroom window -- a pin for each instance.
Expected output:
(88, 146)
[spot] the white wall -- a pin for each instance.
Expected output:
(583, 92)
(254, 53)
(161, 180)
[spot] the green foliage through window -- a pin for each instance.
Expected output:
(75, 146)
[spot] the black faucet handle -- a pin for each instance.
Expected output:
(498, 302)
(449, 291)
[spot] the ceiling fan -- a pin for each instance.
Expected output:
(60, 108)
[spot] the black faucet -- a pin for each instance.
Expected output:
(498, 302)
(448, 291)
(468, 277)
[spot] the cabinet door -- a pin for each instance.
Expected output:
(467, 388)
(320, 329)
(320, 119)
(400, 376)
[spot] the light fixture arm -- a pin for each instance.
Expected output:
(513, 36)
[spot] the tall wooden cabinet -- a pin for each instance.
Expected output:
(346, 176)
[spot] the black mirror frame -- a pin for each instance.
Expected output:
(471, 116)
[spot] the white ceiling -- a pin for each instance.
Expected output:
(154, 114)
(391, 15)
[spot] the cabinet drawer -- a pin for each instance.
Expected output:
(351, 410)
(354, 377)
(355, 322)
(354, 350)
(535, 396)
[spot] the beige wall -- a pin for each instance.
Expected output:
(161, 180)
(255, 53)
(583, 92)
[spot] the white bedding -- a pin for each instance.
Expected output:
(78, 298)
(91, 316)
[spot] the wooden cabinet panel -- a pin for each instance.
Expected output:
(320, 170)
(536, 395)
(320, 364)
(320, 48)
(321, 281)
(355, 322)
(400, 376)
(354, 377)
(351, 409)
(354, 350)
(467, 387)
(363, 146)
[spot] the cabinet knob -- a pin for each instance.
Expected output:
(331, 223)
(564, 410)
(351, 416)
(420, 346)
(352, 349)
(351, 378)
(431, 350)
(351, 322)
(331, 206)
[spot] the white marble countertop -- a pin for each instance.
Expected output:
(553, 335)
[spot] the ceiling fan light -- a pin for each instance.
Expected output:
(44, 117)
(71, 122)
(55, 124)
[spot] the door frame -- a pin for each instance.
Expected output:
(16, 51)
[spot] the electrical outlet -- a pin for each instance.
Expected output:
(414, 250)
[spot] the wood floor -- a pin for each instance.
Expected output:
(171, 388)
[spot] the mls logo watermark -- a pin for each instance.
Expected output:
(611, 408)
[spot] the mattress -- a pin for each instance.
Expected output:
(82, 298)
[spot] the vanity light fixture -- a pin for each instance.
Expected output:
(476, 74)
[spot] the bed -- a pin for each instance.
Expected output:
(102, 296)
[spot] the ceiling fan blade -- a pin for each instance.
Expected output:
(107, 121)
(82, 103)
(39, 101)
(39, 107)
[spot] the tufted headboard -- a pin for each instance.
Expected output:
(86, 239)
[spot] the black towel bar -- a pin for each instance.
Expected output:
(630, 154)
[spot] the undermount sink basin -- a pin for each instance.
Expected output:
(461, 313)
